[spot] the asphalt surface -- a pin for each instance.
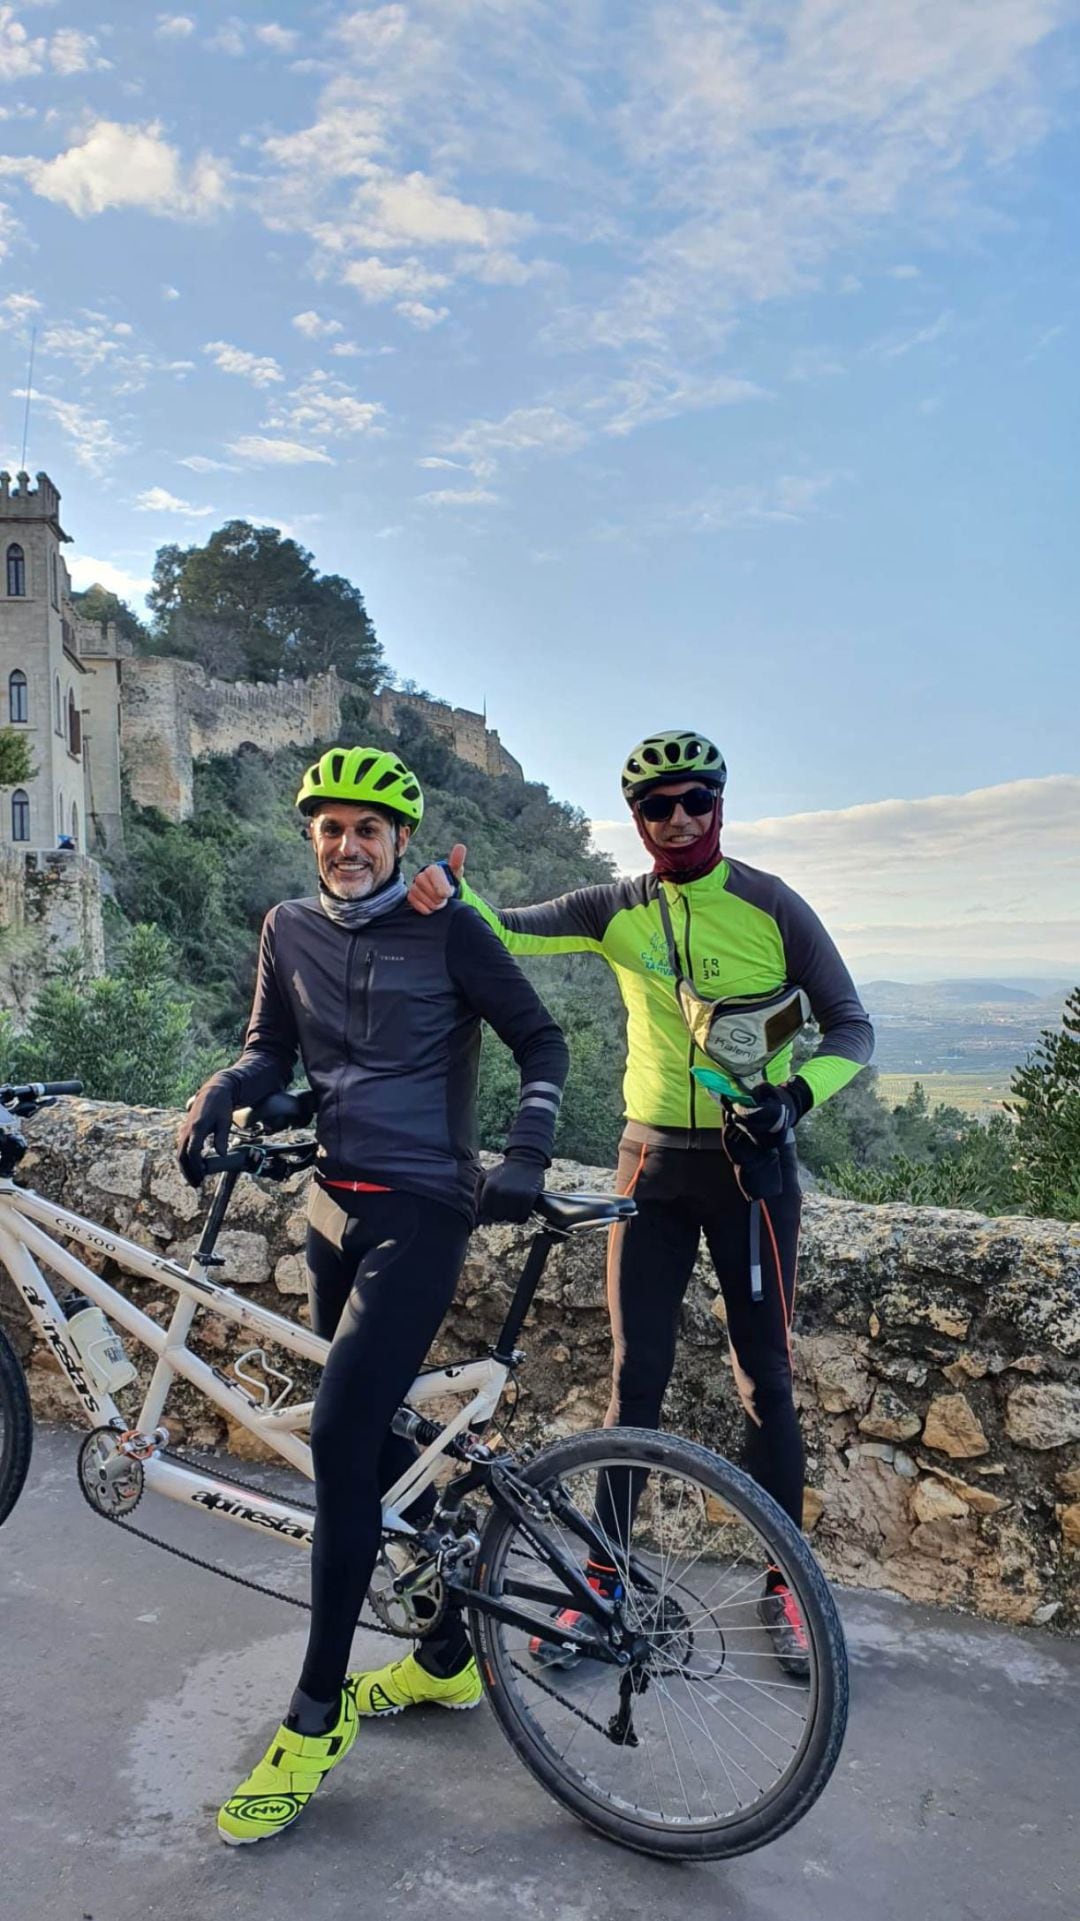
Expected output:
(137, 1690)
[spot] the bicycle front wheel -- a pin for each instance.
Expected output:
(706, 1746)
(16, 1427)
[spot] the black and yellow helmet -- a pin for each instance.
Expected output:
(359, 775)
(680, 755)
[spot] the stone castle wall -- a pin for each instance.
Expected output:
(173, 712)
(937, 1358)
(50, 905)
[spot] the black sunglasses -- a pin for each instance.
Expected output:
(696, 801)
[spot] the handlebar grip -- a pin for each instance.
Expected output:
(62, 1087)
(236, 1161)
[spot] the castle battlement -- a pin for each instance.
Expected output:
(24, 502)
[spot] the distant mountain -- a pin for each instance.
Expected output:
(890, 996)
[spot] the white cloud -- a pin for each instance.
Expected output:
(20, 56)
(278, 39)
(86, 572)
(18, 309)
(787, 498)
(174, 26)
(526, 430)
(261, 369)
(73, 52)
(158, 500)
(412, 211)
(896, 346)
(229, 39)
(903, 271)
(91, 345)
(653, 391)
(170, 293)
(314, 327)
(419, 314)
(327, 408)
(203, 464)
(96, 447)
(436, 461)
(126, 166)
(377, 280)
(967, 881)
(459, 497)
(259, 451)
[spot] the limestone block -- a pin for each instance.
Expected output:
(835, 1366)
(169, 1186)
(290, 1275)
(946, 1320)
(979, 1499)
(890, 1418)
(246, 1257)
(933, 1502)
(1069, 1518)
(813, 1508)
(1069, 1483)
(953, 1427)
(1044, 1416)
(119, 1173)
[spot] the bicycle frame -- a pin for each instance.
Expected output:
(28, 1224)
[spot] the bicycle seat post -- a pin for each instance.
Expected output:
(535, 1262)
(204, 1253)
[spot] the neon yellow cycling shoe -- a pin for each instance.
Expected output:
(405, 1684)
(282, 1784)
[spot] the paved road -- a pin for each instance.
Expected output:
(135, 1691)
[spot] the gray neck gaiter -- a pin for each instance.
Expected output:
(357, 913)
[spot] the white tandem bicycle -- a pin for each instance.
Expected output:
(674, 1731)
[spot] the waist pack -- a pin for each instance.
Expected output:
(743, 1033)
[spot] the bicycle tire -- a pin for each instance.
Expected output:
(16, 1427)
(650, 1449)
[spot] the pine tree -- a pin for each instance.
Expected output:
(1046, 1106)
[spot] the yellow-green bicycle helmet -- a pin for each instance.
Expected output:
(676, 756)
(359, 774)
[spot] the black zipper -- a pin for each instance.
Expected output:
(369, 976)
(353, 943)
(690, 978)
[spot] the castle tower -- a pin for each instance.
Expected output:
(41, 674)
(59, 684)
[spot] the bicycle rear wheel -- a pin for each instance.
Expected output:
(16, 1427)
(705, 1747)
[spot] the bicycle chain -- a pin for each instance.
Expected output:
(211, 1567)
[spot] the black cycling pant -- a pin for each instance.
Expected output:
(382, 1269)
(681, 1194)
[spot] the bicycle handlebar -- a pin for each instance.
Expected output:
(37, 1090)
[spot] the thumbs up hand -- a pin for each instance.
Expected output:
(437, 884)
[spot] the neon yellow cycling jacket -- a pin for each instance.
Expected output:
(739, 932)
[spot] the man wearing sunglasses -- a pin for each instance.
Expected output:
(731, 933)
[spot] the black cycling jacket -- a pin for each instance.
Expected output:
(386, 1019)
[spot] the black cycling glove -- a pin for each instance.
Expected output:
(777, 1111)
(510, 1191)
(209, 1117)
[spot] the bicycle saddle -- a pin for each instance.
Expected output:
(568, 1211)
(277, 1112)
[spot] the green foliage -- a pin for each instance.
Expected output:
(128, 1036)
(1046, 1105)
(250, 604)
(99, 605)
(16, 760)
(977, 1170)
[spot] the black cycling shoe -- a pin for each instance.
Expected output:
(778, 1612)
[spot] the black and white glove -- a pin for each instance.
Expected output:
(776, 1111)
(510, 1191)
(209, 1118)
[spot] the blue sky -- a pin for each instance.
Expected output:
(647, 364)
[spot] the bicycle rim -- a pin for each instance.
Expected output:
(707, 1746)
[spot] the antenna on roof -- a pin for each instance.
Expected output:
(29, 390)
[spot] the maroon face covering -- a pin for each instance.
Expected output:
(698, 857)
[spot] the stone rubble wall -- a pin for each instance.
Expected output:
(937, 1358)
(50, 906)
(173, 712)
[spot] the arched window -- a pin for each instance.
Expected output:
(74, 726)
(54, 584)
(17, 707)
(58, 717)
(20, 814)
(75, 823)
(16, 569)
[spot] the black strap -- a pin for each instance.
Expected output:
(669, 934)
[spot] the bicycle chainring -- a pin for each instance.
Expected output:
(110, 1480)
(407, 1594)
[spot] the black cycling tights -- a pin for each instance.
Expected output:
(681, 1194)
(382, 1271)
